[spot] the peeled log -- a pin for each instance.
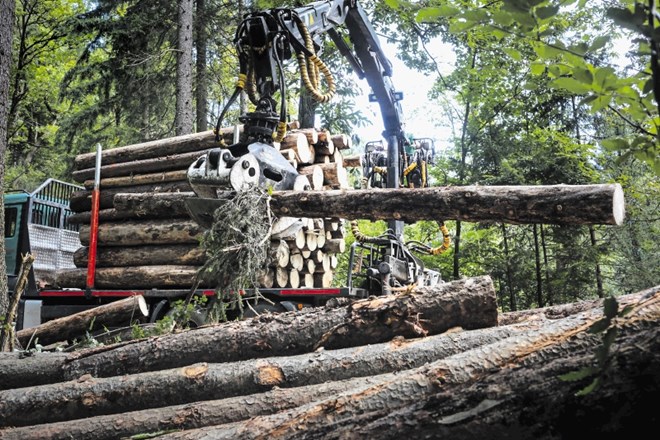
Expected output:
(143, 277)
(154, 149)
(469, 303)
(202, 381)
(147, 255)
(138, 232)
(121, 312)
(553, 204)
(512, 388)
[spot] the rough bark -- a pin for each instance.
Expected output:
(155, 149)
(554, 204)
(172, 162)
(81, 201)
(201, 67)
(165, 205)
(137, 277)
(69, 400)
(139, 232)
(469, 303)
(139, 179)
(184, 119)
(21, 369)
(7, 8)
(116, 313)
(186, 416)
(112, 215)
(147, 255)
(508, 389)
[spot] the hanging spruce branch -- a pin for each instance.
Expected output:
(237, 247)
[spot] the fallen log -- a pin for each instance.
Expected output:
(155, 149)
(70, 400)
(554, 204)
(186, 416)
(138, 232)
(469, 303)
(81, 201)
(141, 277)
(517, 393)
(121, 312)
(147, 255)
(23, 369)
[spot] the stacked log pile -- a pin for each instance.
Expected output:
(156, 244)
(430, 363)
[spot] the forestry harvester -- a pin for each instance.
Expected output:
(264, 41)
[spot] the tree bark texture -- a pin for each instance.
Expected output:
(81, 201)
(508, 389)
(69, 400)
(155, 149)
(163, 205)
(141, 232)
(120, 312)
(147, 255)
(139, 179)
(553, 204)
(167, 276)
(7, 8)
(184, 77)
(26, 369)
(468, 303)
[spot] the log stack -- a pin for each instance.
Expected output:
(147, 239)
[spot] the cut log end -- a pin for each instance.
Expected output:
(618, 205)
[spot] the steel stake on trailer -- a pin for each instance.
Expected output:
(94, 225)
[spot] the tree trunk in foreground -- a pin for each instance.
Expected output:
(72, 326)
(69, 400)
(555, 204)
(468, 303)
(508, 389)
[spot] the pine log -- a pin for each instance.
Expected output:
(139, 232)
(320, 238)
(147, 255)
(310, 241)
(122, 312)
(185, 416)
(164, 205)
(112, 215)
(281, 277)
(281, 254)
(552, 204)
(294, 278)
(335, 246)
(136, 277)
(519, 392)
(139, 179)
(38, 368)
(159, 164)
(267, 279)
(342, 141)
(323, 279)
(308, 280)
(469, 303)
(352, 162)
(205, 381)
(324, 146)
(296, 261)
(311, 134)
(298, 142)
(155, 149)
(315, 175)
(81, 201)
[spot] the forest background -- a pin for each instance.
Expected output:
(537, 95)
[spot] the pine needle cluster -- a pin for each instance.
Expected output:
(237, 247)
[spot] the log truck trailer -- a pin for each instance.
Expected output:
(264, 41)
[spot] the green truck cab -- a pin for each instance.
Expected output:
(37, 223)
